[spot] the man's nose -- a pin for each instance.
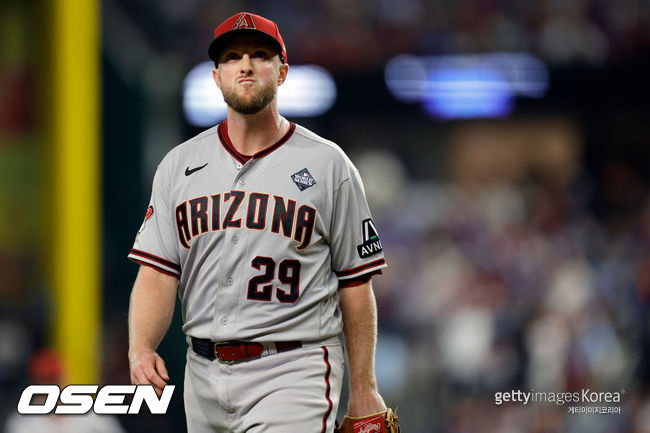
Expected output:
(245, 64)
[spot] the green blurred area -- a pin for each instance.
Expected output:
(23, 198)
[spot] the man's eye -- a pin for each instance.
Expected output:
(260, 54)
(232, 56)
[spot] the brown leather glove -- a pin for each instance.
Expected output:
(382, 422)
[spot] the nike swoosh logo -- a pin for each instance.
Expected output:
(188, 171)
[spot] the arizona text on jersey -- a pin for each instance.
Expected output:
(263, 241)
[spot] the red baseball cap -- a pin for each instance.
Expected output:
(246, 23)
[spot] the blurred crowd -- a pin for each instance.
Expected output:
(502, 278)
(345, 35)
(558, 31)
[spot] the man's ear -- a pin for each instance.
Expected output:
(216, 77)
(284, 70)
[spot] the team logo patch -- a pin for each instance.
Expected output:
(371, 244)
(245, 21)
(303, 179)
(148, 215)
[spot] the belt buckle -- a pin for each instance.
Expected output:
(216, 354)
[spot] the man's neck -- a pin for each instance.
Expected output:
(252, 133)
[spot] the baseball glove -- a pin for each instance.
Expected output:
(382, 422)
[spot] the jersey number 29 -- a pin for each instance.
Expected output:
(260, 287)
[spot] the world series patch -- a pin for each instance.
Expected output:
(371, 244)
(303, 179)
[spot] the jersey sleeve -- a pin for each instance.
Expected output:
(355, 246)
(155, 243)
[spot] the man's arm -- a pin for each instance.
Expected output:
(150, 312)
(359, 310)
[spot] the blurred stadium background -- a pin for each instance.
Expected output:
(504, 146)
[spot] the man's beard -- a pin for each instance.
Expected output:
(249, 106)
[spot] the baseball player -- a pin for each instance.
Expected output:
(263, 230)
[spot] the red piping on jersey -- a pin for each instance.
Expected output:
(360, 268)
(152, 266)
(222, 131)
(330, 405)
(357, 281)
(157, 259)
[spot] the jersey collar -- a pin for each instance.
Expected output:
(227, 144)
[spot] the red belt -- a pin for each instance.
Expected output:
(231, 351)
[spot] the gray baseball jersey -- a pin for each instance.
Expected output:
(260, 243)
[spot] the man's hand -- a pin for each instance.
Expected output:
(364, 403)
(148, 368)
(360, 330)
(150, 313)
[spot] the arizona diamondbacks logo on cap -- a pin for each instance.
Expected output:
(245, 21)
(371, 244)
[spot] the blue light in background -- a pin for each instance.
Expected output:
(467, 93)
(406, 77)
(203, 104)
(309, 91)
(466, 86)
